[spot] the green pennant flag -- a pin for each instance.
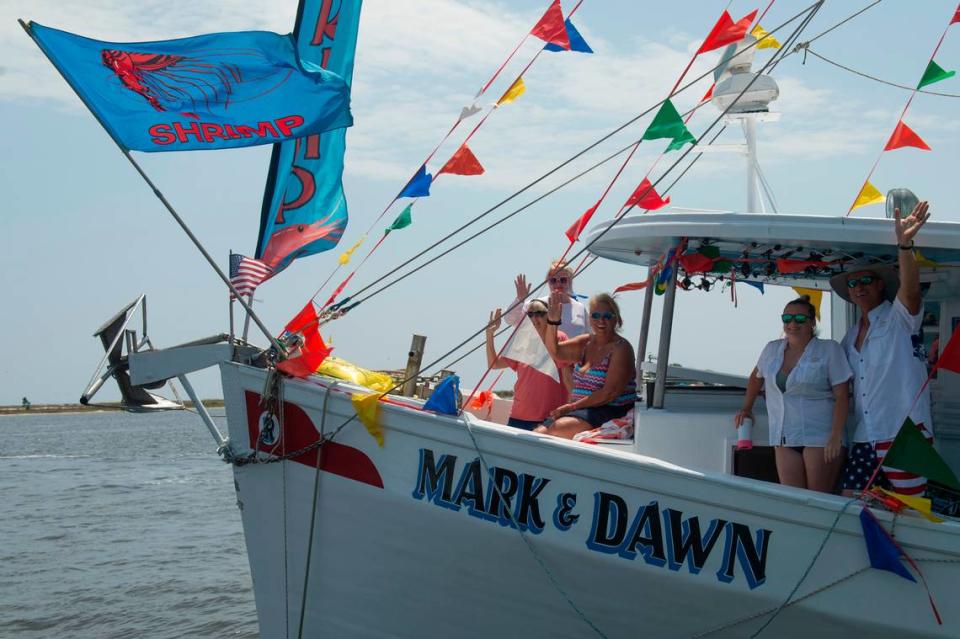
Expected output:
(934, 74)
(403, 220)
(678, 142)
(668, 124)
(912, 452)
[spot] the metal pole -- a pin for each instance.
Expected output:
(202, 411)
(246, 322)
(750, 133)
(644, 328)
(663, 354)
(160, 196)
(414, 359)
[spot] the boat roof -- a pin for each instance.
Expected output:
(756, 241)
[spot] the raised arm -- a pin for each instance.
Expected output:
(492, 360)
(907, 228)
(569, 350)
(515, 314)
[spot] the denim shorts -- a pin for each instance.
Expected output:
(525, 424)
(600, 415)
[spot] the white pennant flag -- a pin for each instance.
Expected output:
(526, 346)
(469, 111)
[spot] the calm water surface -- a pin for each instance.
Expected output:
(119, 525)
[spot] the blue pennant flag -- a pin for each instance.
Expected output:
(304, 209)
(419, 184)
(212, 91)
(756, 285)
(444, 396)
(884, 552)
(577, 43)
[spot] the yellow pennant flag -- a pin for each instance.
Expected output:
(923, 261)
(919, 504)
(343, 259)
(368, 410)
(868, 195)
(764, 39)
(815, 296)
(515, 91)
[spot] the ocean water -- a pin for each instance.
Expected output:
(117, 525)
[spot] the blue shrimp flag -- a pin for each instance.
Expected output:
(444, 396)
(304, 209)
(214, 91)
(419, 184)
(577, 43)
(883, 551)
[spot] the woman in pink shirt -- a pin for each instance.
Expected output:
(535, 394)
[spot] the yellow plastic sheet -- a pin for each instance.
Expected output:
(347, 371)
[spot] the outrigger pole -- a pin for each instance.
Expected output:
(156, 191)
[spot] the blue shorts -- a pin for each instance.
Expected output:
(600, 415)
(525, 424)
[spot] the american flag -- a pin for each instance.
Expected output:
(246, 273)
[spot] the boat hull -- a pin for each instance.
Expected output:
(412, 539)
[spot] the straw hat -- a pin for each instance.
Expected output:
(889, 274)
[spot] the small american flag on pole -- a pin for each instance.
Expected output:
(246, 273)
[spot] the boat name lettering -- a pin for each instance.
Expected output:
(180, 132)
(661, 536)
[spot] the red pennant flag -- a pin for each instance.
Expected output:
(905, 136)
(343, 285)
(950, 358)
(726, 31)
(635, 286)
(463, 162)
(551, 27)
(313, 351)
(708, 94)
(956, 16)
(696, 263)
(646, 197)
(573, 233)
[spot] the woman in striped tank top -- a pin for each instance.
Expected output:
(605, 375)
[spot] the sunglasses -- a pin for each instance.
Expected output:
(532, 314)
(607, 315)
(799, 318)
(863, 280)
(559, 280)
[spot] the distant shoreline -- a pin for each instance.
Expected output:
(80, 408)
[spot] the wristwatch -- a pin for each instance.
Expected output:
(908, 247)
(552, 323)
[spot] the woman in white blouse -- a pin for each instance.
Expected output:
(807, 395)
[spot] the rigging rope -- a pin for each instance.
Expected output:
(807, 49)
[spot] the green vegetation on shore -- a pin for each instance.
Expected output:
(80, 408)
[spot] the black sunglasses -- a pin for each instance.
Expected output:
(799, 318)
(559, 280)
(863, 280)
(536, 313)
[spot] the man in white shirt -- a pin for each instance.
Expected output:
(888, 365)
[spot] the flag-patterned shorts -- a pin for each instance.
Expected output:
(862, 461)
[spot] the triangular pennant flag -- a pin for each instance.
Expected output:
(933, 74)
(956, 16)
(764, 39)
(708, 94)
(904, 136)
(678, 142)
(667, 123)
(481, 400)
(883, 550)
(338, 290)
(305, 359)
(515, 91)
(444, 397)
(920, 504)
(551, 27)
(633, 286)
(756, 285)
(403, 220)
(469, 111)
(867, 195)
(367, 407)
(577, 43)
(573, 233)
(462, 162)
(345, 256)
(645, 197)
(526, 346)
(419, 184)
(911, 452)
(815, 295)
(949, 359)
(726, 31)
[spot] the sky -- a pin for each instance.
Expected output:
(81, 235)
